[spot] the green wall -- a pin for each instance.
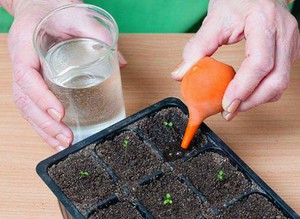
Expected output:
(145, 16)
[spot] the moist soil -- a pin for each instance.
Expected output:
(255, 206)
(203, 171)
(117, 211)
(166, 138)
(184, 203)
(137, 160)
(84, 191)
(130, 161)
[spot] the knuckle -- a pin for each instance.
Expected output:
(271, 30)
(191, 49)
(42, 98)
(279, 86)
(245, 91)
(20, 76)
(263, 64)
(22, 101)
(49, 140)
(45, 126)
(249, 104)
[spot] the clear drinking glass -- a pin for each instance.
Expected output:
(77, 47)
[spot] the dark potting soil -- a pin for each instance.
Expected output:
(120, 210)
(84, 190)
(129, 157)
(255, 206)
(184, 203)
(168, 138)
(203, 172)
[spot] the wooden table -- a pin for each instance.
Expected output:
(266, 138)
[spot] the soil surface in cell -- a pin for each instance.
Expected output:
(117, 211)
(82, 179)
(132, 158)
(204, 173)
(255, 206)
(166, 129)
(183, 203)
(129, 158)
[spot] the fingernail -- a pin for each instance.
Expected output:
(63, 140)
(60, 148)
(54, 114)
(176, 70)
(233, 106)
(122, 59)
(180, 70)
(228, 116)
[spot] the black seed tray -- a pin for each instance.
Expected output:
(126, 170)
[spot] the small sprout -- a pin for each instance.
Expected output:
(168, 196)
(84, 173)
(170, 124)
(221, 175)
(168, 199)
(125, 143)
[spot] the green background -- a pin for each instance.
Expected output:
(145, 16)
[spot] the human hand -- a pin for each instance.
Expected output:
(36, 102)
(272, 45)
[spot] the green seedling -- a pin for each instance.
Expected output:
(84, 173)
(125, 143)
(170, 124)
(168, 199)
(221, 175)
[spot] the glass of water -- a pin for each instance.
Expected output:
(77, 47)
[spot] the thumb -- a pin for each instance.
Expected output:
(204, 43)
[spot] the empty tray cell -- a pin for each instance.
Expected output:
(166, 129)
(118, 210)
(128, 157)
(255, 206)
(82, 179)
(215, 177)
(168, 198)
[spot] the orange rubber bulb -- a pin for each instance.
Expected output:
(202, 89)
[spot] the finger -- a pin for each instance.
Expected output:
(85, 26)
(76, 22)
(92, 28)
(269, 90)
(33, 85)
(42, 121)
(204, 43)
(271, 87)
(122, 60)
(213, 34)
(49, 139)
(260, 52)
(53, 142)
(27, 77)
(229, 116)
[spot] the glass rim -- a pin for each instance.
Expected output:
(97, 9)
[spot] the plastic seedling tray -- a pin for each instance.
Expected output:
(136, 169)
